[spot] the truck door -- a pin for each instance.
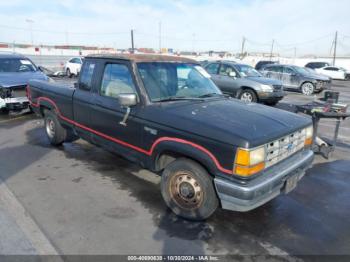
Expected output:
(83, 98)
(107, 114)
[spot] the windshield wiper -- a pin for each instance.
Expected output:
(177, 98)
(212, 95)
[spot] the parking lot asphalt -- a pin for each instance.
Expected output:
(85, 200)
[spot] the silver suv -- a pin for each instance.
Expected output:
(245, 83)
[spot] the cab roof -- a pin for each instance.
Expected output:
(11, 55)
(145, 58)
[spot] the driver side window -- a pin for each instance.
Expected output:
(225, 70)
(288, 71)
(116, 80)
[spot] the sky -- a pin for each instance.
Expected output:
(301, 26)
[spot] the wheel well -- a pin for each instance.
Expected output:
(42, 109)
(307, 81)
(165, 158)
(249, 88)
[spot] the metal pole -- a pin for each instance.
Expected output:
(243, 44)
(160, 36)
(335, 47)
(132, 41)
(30, 22)
(273, 42)
(66, 34)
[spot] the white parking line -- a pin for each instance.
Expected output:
(31, 230)
(275, 251)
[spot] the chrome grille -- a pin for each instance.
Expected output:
(277, 88)
(282, 148)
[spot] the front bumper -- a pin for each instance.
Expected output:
(271, 96)
(271, 183)
(322, 85)
(14, 103)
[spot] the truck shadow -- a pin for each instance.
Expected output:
(310, 220)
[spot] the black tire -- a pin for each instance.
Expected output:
(307, 88)
(271, 103)
(54, 130)
(188, 190)
(248, 95)
(71, 136)
(68, 73)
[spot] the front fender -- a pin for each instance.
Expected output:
(192, 151)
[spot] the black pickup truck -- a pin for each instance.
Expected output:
(165, 113)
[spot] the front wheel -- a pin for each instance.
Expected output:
(271, 103)
(247, 95)
(307, 88)
(188, 190)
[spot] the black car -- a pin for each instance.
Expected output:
(244, 82)
(297, 78)
(165, 113)
(261, 64)
(316, 65)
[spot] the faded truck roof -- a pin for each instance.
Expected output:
(145, 58)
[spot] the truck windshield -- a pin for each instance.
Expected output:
(166, 81)
(13, 65)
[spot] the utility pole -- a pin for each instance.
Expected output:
(66, 35)
(243, 44)
(132, 41)
(30, 22)
(335, 47)
(295, 54)
(193, 42)
(160, 36)
(273, 42)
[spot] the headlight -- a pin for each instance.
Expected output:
(309, 131)
(249, 161)
(266, 88)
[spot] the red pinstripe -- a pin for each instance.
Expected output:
(146, 152)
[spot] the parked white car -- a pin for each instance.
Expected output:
(73, 66)
(334, 72)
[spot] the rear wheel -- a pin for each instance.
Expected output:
(54, 130)
(248, 95)
(188, 190)
(68, 73)
(307, 88)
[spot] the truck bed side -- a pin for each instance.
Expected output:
(52, 96)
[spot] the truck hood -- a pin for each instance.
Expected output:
(232, 121)
(20, 79)
(264, 80)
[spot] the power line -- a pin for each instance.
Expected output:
(305, 42)
(63, 32)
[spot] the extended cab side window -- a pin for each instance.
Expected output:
(116, 80)
(86, 74)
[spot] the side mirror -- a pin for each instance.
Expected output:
(127, 100)
(232, 74)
